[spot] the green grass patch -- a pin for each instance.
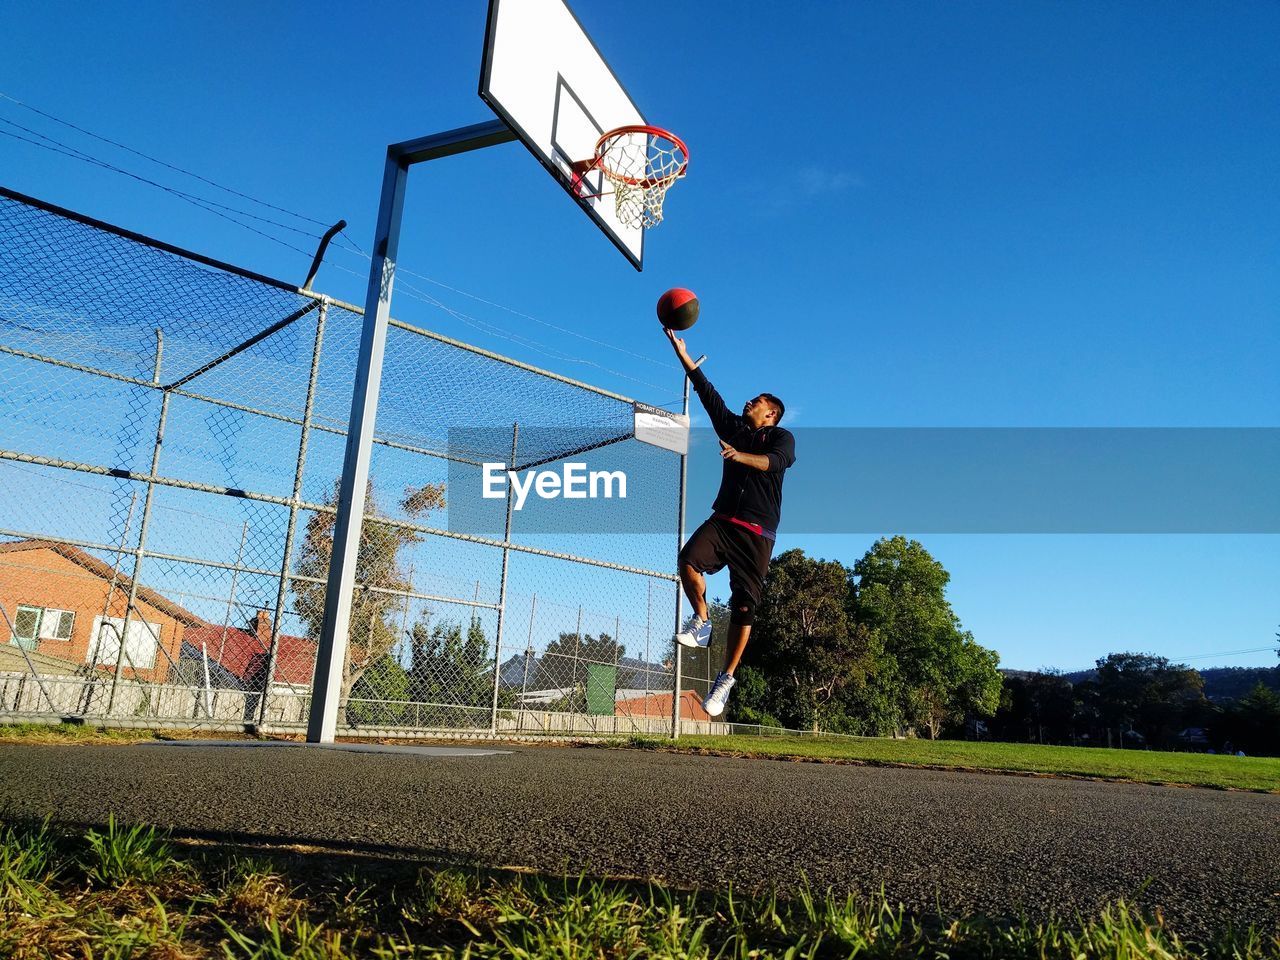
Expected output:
(122, 892)
(1142, 766)
(87, 733)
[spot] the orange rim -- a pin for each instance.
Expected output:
(650, 131)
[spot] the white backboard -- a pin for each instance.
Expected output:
(546, 79)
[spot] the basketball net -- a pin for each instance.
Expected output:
(641, 163)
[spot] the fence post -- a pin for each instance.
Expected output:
(502, 589)
(528, 655)
(295, 498)
(676, 660)
(140, 552)
(577, 655)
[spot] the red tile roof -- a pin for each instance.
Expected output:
(245, 653)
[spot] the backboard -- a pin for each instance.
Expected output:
(546, 79)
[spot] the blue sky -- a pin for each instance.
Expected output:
(896, 215)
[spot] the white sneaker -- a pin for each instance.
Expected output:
(715, 701)
(696, 632)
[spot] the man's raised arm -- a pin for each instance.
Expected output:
(723, 421)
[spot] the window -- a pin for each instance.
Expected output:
(33, 624)
(26, 626)
(56, 624)
(139, 648)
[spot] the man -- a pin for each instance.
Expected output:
(743, 525)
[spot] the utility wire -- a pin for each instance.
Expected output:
(163, 163)
(207, 205)
(81, 155)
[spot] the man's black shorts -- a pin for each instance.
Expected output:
(718, 544)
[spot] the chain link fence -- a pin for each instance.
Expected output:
(174, 436)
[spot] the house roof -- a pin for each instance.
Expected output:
(219, 676)
(104, 570)
(245, 655)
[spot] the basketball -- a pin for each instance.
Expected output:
(678, 309)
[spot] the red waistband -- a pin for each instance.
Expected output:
(755, 528)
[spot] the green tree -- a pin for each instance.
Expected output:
(600, 649)
(940, 673)
(448, 667)
(805, 644)
(372, 631)
(1147, 694)
(751, 698)
(386, 684)
(1252, 723)
(1038, 708)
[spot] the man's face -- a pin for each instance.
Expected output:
(758, 411)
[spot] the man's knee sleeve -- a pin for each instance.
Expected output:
(742, 611)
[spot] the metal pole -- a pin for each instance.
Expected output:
(676, 661)
(286, 560)
(528, 656)
(140, 552)
(648, 633)
(404, 617)
(332, 648)
(577, 655)
(502, 589)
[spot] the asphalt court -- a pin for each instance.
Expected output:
(970, 842)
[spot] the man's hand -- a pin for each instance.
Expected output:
(757, 461)
(677, 345)
(682, 352)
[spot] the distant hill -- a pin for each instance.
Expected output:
(1220, 683)
(1232, 683)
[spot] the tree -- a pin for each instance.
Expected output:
(1252, 723)
(1145, 693)
(377, 697)
(803, 641)
(1036, 708)
(601, 649)
(448, 668)
(372, 631)
(941, 674)
(564, 664)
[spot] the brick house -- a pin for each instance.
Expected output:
(244, 652)
(57, 598)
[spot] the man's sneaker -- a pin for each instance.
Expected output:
(696, 632)
(715, 701)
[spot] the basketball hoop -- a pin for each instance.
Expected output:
(641, 163)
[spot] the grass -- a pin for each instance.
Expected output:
(1142, 766)
(123, 892)
(86, 733)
